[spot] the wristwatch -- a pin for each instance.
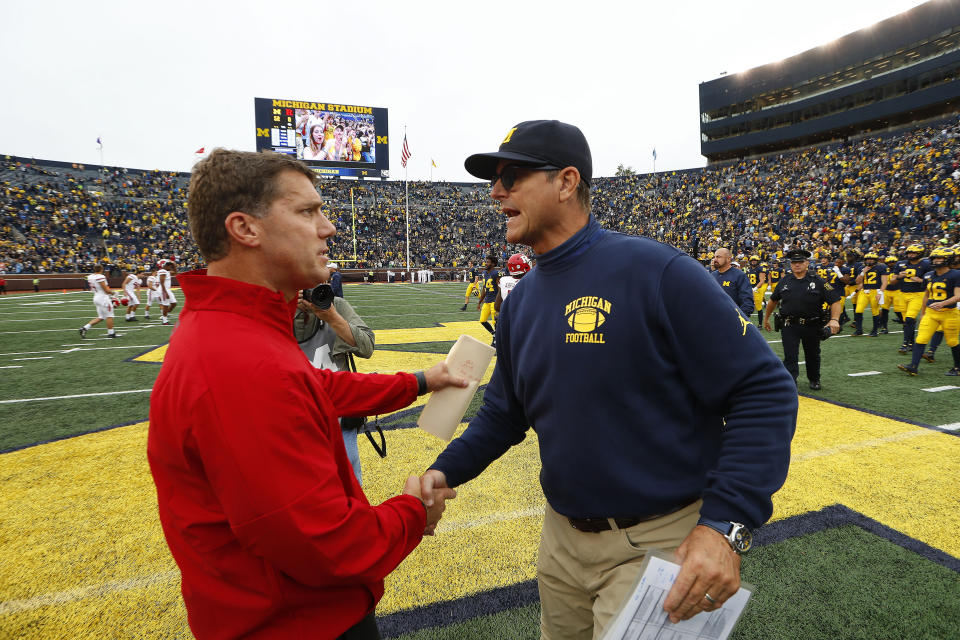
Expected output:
(738, 535)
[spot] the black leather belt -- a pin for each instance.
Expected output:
(797, 320)
(596, 525)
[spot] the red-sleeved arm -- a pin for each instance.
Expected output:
(268, 451)
(367, 394)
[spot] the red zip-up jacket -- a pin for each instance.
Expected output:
(259, 504)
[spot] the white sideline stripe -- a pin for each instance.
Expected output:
(79, 395)
(865, 373)
(85, 348)
(953, 426)
(35, 358)
(81, 593)
(862, 444)
(106, 588)
(936, 389)
(13, 366)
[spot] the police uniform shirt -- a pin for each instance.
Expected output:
(803, 298)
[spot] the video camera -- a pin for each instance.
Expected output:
(320, 296)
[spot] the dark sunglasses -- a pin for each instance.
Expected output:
(508, 176)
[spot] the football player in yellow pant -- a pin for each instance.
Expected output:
(891, 299)
(873, 279)
(488, 295)
(473, 286)
(910, 273)
(940, 311)
(757, 276)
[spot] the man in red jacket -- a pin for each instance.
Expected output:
(259, 504)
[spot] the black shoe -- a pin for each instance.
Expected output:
(134, 319)
(113, 335)
(953, 372)
(907, 368)
(884, 331)
(815, 385)
(903, 350)
(872, 334)
(857, 334)
(83, 332)
(928, 356)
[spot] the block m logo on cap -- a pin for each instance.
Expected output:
(509, 135)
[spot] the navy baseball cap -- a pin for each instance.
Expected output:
(537, 142)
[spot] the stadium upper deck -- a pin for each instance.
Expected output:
(898, 71)
(876, 193)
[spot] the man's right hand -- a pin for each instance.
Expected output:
(433, 495)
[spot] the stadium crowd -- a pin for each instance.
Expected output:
(873, 194)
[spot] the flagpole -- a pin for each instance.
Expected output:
(406, 188)
(353, 211)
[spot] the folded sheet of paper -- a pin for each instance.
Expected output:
(444, 410)
(643, 616)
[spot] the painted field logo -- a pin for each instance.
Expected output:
(585, 315)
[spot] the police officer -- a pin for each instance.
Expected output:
(802, 296)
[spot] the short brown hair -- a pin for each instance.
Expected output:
(583, 189)
(227, 181)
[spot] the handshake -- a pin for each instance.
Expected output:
(431, 488)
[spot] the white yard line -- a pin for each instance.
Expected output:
(939, 389)
(79, 395)
(35, 358)
(864, 373)
(114, 586)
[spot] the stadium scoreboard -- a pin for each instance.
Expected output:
(334, 139)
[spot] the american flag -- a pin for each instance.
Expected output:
(405, 154)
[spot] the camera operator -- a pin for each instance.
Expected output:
(802, 297)
(328, 329)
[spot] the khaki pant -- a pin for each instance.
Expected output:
(584, 578)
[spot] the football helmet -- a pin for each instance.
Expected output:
(915, 248)
(940, 257)
(518, 264)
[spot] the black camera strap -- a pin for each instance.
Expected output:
(381, 448)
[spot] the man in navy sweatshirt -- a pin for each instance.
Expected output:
(607, 349)
(733, 281)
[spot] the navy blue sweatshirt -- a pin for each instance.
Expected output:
(646, 386)
(735, 284)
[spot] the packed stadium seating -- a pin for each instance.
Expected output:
(875, 193)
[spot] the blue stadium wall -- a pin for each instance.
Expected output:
(876, 99)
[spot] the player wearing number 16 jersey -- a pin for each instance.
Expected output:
(940, 310)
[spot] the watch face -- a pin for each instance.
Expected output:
(742, 538)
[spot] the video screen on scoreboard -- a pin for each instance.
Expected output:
(336, 139)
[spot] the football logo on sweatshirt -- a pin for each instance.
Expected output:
(585, 315)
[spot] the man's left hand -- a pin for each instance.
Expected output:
(708, 565)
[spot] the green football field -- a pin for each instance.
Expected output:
(861, 544)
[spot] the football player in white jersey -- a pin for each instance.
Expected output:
(517, 266)
(165, 284)
(153, 292)
(131, 284)
(102, 300)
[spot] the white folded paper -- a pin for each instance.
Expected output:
(642, 615)
(444, 410)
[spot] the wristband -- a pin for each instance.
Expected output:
(421, 382)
